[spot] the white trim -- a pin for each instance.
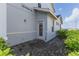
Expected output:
(53, 14)
(46, 10)
(20, 32)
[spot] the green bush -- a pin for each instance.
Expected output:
(5, 50)
(61, 34)
(72, 33)
(3, 44)
(72, 41)
(74, 53)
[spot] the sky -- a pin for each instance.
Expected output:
(70, 14)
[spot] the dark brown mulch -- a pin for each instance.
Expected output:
(38, 47)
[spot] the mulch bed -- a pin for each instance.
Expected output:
(38, 47)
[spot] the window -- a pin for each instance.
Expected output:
(52, 29)
(57, 23)
(40, 29)
(53, 26)
(39, 5)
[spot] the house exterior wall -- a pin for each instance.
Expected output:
(57, 24)
(3, 24)
(48, 5)
(41, 16)
(32, 5)
(60, 22)
(24, 31)
(50, 24)
(19, 31)
(27, 5)
(19, 22)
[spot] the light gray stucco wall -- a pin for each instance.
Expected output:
(42, 16)
(28, 5)
(50, 22)
(47, 5)
(57, 26)
(3, 25)
(19, 31)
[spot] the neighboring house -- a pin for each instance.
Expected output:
(23, 22)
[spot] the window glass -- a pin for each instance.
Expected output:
(40, 29)
(39, 5)
(57, 23)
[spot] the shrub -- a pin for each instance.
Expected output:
(3, 44)
(74, 53)
(72, 33)
(72, 41)
(5, 50)
(61, 34)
